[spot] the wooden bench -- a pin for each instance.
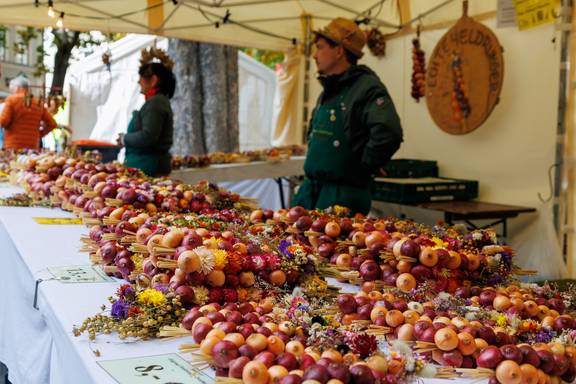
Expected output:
(476, 210)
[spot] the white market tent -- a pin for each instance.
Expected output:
(510, 154)
(102, 100)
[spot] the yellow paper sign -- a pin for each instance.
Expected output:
(532, 13)
(57, 220)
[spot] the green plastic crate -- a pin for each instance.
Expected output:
(411, 168)
(418, 190)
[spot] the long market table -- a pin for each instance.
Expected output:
(37, 345)
(216, 173)
(468, 211)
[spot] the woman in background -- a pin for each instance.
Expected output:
(149, 135)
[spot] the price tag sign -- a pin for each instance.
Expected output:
(532, 13)
(57, 220)
(159, 369)
(79, 274)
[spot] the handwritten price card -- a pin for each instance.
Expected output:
(160, 369)
(79, 274)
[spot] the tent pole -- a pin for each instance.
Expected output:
(569, 173)
(405, 12)
(155, 15)
(571, 204)
(307, 31)
(560, 193)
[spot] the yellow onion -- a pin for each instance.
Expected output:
(277, 372)
(255, 372)
(188, 261)
(207, 344)
(295, 347)
(172, 238)
(406, 332)
(466, 343)
(508, 372)
(377, 363)
(446, 339)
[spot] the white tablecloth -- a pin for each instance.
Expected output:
(38, 345)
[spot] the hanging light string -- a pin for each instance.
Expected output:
(60, 22)
(51, 9)
(54, 11)
(363, 17)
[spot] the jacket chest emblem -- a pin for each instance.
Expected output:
(332, 115)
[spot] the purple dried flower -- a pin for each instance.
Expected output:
(162, 288)
(545, 336)
(283, 248)
(120, 309)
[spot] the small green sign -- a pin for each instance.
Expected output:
(159, 369)
(79, 274)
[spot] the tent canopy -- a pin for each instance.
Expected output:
(267, 24)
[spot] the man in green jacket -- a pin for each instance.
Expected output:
(354, 128)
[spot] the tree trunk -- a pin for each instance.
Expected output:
(219, 68)
(187, 100)
(205, 104)
(64, 43)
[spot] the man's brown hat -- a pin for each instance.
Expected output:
(345, 32)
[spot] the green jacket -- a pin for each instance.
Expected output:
(149, 137)
(370, 120)
(153, 128)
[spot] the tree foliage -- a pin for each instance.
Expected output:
(69, 45)
(66, 42)
(268, 58)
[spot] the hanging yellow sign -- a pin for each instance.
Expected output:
(532, 13)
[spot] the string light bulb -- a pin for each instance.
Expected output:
(60, 22)
(51, 9)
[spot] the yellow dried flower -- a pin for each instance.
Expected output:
(211, 243)
(501, 321)
(439, 243)
(340, 210)
(220, 258)
(138, 260)
(151, 297)
(200, 295)
(314, 285)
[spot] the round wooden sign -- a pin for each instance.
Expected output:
(464, 77)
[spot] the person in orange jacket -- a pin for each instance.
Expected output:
(24, 120)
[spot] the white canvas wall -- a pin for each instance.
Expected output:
(257, 85)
